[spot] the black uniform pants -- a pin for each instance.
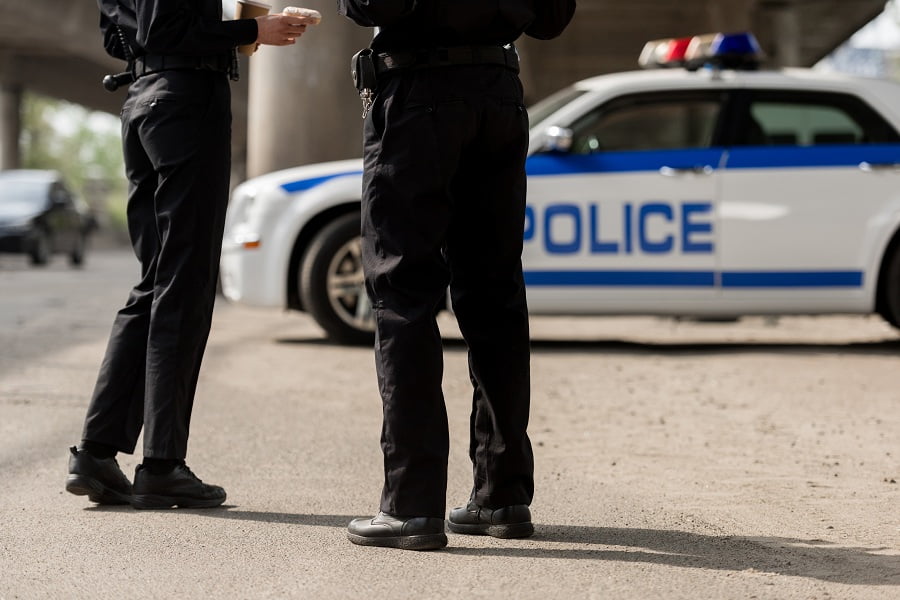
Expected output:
(443, 204)
(176, 132)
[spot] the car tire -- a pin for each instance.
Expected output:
(40, 249)
(332, 287)
(76, 257)
(890, 308)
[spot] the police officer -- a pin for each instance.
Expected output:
(444, 204)
(176, 133)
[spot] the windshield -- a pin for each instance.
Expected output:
(549, 105)
(22, 198)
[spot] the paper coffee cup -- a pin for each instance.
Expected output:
(250, 9)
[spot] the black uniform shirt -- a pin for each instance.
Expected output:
(421, 24)
(171, 27)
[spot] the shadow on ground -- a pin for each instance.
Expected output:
(889, 347)
(814, 559)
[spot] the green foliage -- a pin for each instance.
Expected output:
(84, 146)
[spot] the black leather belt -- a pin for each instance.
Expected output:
(153, 63)
(442, 57)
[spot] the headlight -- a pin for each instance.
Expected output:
(245, 239)
(16, 225)
(241, 204)
(253, 213)
(239, 230)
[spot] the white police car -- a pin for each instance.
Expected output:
(716, 191)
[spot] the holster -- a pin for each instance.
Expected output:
(362, 70)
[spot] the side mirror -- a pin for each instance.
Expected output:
(557, 140)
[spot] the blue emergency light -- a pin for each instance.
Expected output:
(714, 50)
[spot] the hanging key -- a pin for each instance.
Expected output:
(367, 97)
(362, 69)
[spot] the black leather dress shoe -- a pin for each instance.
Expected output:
(408, 533)
(100, 479)
(179, 487)
(506, 522)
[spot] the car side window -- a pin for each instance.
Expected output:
(59, 196)
(649, 122)
(779, 118)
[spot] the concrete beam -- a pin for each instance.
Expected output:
(71, 78)
(55, 28)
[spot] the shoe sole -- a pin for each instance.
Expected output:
(81, 485)
(507, 531)
(153, 501)
(432, 541)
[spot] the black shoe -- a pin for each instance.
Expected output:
(100, 479)
(409, 533)
(507, 522)
(179, 487)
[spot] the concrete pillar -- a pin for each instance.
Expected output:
(786, 36)
(780, 30)
(302, 105)
(239, 93)
(10, 115)
(731, 16)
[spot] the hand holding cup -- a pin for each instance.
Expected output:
(280, 30)
(275, 30)
(250, 9)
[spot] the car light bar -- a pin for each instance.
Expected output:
(715, 50)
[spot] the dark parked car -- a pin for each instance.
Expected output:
(40, 217)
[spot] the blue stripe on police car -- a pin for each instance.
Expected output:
(695, 279)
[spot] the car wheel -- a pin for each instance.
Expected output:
(76, 257)
(890, 308)
(332, 285)
(40, 248)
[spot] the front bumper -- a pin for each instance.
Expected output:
(15, 242)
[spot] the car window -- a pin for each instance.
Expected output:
(777, 118)
(649, 122)
(60, 195)
(549, 105)
(24, 195)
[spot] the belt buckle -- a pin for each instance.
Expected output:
(390, 62)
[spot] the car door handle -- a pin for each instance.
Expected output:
(870, 167)
(667, 171)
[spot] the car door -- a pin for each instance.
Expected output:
(805, 193)
(624, 221)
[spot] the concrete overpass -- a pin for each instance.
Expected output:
(302, 107)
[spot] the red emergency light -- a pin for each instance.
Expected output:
(717, 50)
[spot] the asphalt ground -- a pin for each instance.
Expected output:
(754, 459)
